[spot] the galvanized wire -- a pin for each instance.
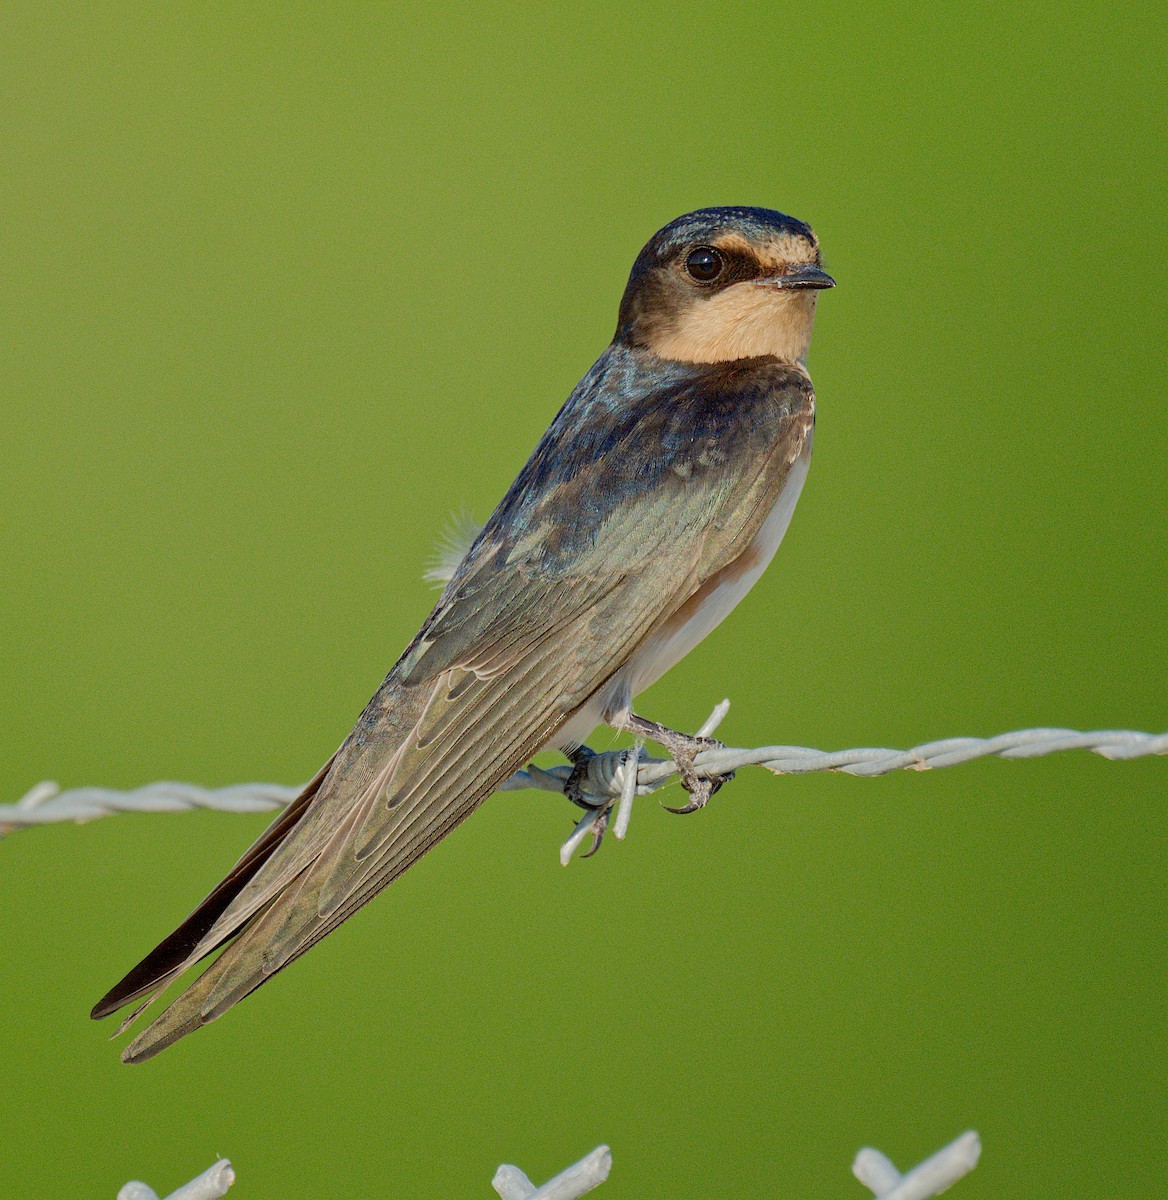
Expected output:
(930, 1178)
(46, 803)
(211, 1185)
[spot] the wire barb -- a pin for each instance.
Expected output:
(871, 1168)
(581, 1177)
(943, 1169)
(211, 1185)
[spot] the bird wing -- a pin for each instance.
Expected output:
(519, 639)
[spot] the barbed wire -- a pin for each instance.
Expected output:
(930, 1178)
(46, 803)
(211, 1185)
(570, 1184)
(607, 781)
(873, 1169)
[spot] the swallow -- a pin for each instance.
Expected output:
(654, 501)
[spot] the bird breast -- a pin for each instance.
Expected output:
(705, 610)
(697, 617)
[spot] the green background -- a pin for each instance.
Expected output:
(284, 286)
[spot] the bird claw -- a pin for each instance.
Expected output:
(701, 793)
(599, 827)
(700, 787)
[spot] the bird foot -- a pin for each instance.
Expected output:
(574, 790)
(683, 748)
(574, 785)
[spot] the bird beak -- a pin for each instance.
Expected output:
(800, 278)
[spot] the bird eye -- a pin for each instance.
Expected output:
(704, 264)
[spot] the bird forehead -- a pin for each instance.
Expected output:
(772, 250)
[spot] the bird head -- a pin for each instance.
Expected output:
(725, 283)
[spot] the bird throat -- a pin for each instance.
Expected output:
(744, 321)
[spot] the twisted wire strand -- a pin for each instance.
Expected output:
(606, 771)
(606, 778)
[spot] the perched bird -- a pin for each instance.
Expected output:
(651, 505)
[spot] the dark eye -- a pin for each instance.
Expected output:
(704, 264)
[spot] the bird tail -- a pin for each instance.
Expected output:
(202, 1001)
(187, 944)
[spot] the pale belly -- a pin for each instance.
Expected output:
(700, 615)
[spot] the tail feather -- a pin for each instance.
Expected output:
(174, 953)
(189, 1011)
(236, 973)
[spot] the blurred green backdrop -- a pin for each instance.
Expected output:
(284, 286)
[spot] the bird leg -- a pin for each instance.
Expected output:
(573, 789)
(683, 749)
(574, 785)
